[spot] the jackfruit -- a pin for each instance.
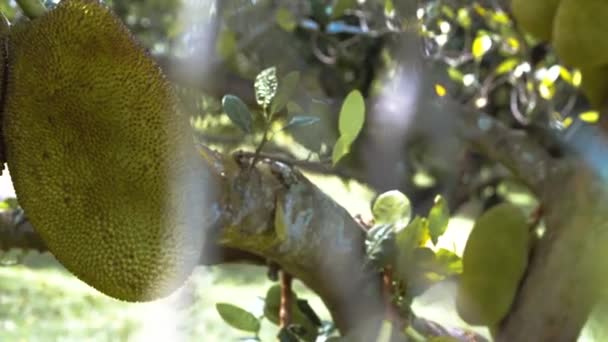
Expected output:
(494, 260)
(102, 160)
(535, 16)
(595, 85)
(579, 32)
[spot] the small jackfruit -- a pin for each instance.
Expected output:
(102, 160)
(579, 32)
(494, 260)
(535, 16)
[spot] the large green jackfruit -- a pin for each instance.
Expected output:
(579, 32)
(535, 16)
(101, 158)
(494, 260)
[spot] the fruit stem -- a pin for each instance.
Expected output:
(32, 8)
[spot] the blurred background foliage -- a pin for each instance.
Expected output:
(475, 54)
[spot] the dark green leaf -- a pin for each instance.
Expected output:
(439, 217)
(238, 112)
(380, 244)
(308, 311)
(238, 318)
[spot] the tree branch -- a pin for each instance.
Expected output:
(527, 160)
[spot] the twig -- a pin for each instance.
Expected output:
(285, 313)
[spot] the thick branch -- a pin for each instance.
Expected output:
(567, 270)
(274, 211)
(527, 160)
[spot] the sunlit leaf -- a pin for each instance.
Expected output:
(286, 20)
(546, 90)
(464, 18)
(341, 148)
(481, 44)
(577, 78)
(392, 207)
(265, 85)
(415, 235)
(507, 66)
(439, 216)
(455, 74)
(389, 8)
(591, 116)
(440, 90)
(566, 75)
(238, 318)
(567, 122)
(287, 87)
(448, 262)
(513, 44)
(500, 17)
(238, 112)
(352, 116)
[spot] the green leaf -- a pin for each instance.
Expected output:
(309, 328)
(286, 20)
(341, 148)
(380, 244)
(287, 87)
(448, 263)
(238, 112)
(481, 45)
(238, 318)
(265, 85)
(388, 7)
(439, 217)
(507, 66)
(415, 235)
(352, 116)
(392, 207)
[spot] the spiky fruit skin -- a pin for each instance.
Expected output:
(579, 32)
(494, 260)
(535, 16)
(101, 159)
(579, 39)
